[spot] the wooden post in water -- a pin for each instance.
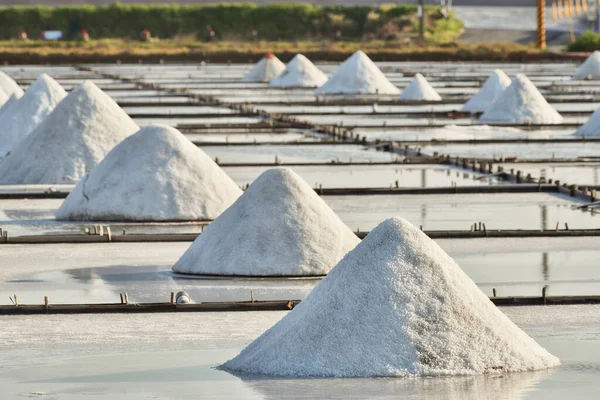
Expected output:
(544, 294)
(46, 302)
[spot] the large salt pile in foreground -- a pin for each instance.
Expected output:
(300, 72)
(492, 89)
(591, 127)
(279, 227)
(420, 90)
(156, 174)
(358, 75)
(70, 141)
(8, 87)
(396, 305)
(590, 69)
(268, 68)
(29, 111)
(521, 103)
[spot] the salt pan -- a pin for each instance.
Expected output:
(8, 87)
(157, 174)
(268, 68)
(278, 227)
(300, 72)
(29, 111)
(70, 141)
(420, 90)
(493, 88)
(590, 69)
(358, 75)
(397, 305)
(521, 103)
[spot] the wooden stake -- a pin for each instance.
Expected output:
(544, 294)
(46, 302)
(121, 294)
(172, 297)
(126, 298)
(252, 295)
(494, 291)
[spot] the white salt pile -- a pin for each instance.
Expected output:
(300, 72)
(268, 68)
(591, 127)
(8, 87)
(70, 141)
(29, 111)
(590, 69)
(278, 227)
(492, 89)
(358, 75)
(397, 305)
(420, 90)
(157, 174)
(11, 100)
(521, 103)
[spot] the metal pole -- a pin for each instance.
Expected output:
(541, 17)
(422, 19)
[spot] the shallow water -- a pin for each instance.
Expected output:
(97, 273)
(124, 356)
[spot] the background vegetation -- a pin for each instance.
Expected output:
(587, 41)
(229, 21)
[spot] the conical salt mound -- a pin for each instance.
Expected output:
(279, 227)
(591, 127)
(4, 107)
(29, 111)
(70, 141)
(521, 103)
(157, 174)
(268, 68)
(358, 75)
(396, 305)
(492, 89)
(8, 87)
(420, 90)
(590, 69)
(300, 72)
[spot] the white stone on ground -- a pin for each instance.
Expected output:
(420, 90)
(397, 305)
(8, 87)
(156, 174)
(300, 72)
(278, 227)
(29, 111)
(268, 68)
(521, 103)
(358, 75)
(590, 69)
(70, 141)
(492, 89)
